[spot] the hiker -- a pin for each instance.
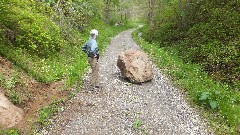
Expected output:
(91, 48)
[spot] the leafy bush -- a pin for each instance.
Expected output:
(48, 50)
(30, 30)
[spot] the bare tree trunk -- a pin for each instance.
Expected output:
(151, 6)
(107, 11)
(107, 15)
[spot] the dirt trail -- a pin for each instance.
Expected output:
(122, 108)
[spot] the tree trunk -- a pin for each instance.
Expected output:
(107, 15)
(107, 11)
(151, 6)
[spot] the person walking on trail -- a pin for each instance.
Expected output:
(91, 48)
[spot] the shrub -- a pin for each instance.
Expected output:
(30, 30)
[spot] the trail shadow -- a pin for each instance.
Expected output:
(126, 80)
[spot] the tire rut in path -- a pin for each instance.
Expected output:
(122, 108)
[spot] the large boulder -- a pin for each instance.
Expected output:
(10, 115)
(135, 66)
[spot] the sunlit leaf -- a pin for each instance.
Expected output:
(213, 104)
(204, 96)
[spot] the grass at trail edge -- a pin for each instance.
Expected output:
(218, 102)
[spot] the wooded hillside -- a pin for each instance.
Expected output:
(204, 32)
(43, 36)
(200, 33)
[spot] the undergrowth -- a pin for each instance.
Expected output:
(220, 102)
(46, 112)
(9, 132)
(203, 32)
(34, 38)
(70, 63)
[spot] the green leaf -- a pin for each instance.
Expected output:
(137, 123)
(213, 104)
(217, 92)
(204, 96)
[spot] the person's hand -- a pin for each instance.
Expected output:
(96, 56)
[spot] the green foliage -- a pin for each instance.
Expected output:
(1, 80)
(47, 43)
(111, 3)
(9, 83)
(30, 30)
(213, 104)
(46, 112)
(219, 100)
(209, 99)
(70, 64)
(118, 11)
(9, 132)
(76, 13)
(14, 96)
(138, 126)
(137, 123)
(204, 96)
(203, 32)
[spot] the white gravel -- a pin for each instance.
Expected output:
(122, 108)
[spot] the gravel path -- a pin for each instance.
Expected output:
(122, 108)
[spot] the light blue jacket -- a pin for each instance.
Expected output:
(91, 47)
